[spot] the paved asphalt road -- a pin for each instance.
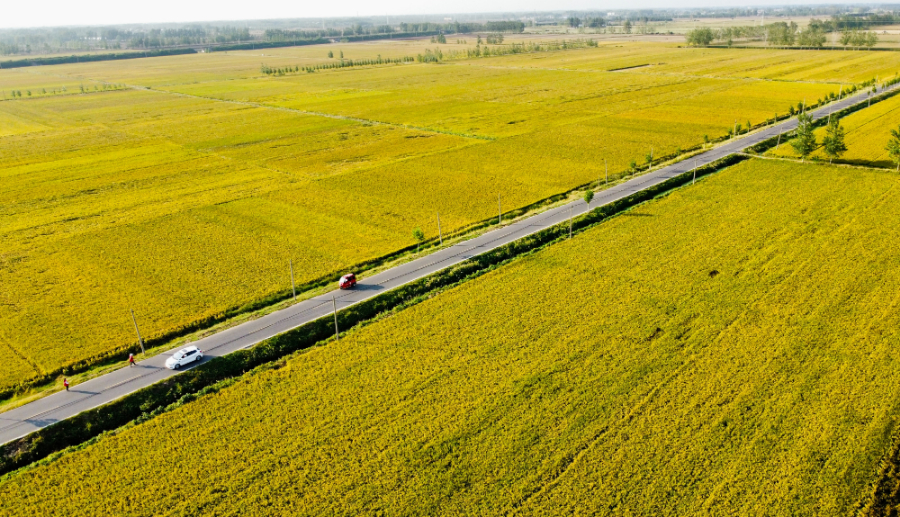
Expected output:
(40, 413)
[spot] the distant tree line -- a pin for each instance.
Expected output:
(464, 28)
(589, 22)
(58, 60)
(65, 39)
(503, 27)
(782, 34)
(515, 48)
(37, 92)
(58, 40)
(195, 35)
(863, 21)
(279, 35)
(343, 63)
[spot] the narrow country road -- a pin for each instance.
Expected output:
(59, 406)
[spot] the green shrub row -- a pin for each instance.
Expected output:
(39, 61)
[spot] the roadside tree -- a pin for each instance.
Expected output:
(805, 141)
(893, 147)
(419, 236)
(699, 37)
(588, 196)
(846, 38)
(812, 37)
(871, 39)
(834, 139)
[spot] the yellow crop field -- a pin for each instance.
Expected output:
(186, 195)
(867, 133)
(727, 349)
(635, 58)
(496, 102)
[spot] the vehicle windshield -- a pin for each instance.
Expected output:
(178, 355)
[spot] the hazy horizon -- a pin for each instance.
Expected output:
(106, 12)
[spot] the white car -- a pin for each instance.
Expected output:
(184, 356)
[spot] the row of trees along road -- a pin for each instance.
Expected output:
(833, 144)
(781, 34)
(805, 142)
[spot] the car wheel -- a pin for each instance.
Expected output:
(177, 365)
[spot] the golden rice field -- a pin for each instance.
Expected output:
(867, 133)
(188, 194)
(727, 349)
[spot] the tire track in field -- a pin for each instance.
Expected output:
(570, 460)
(660, 73)
(320, 114)
(685, 356)
(21, 356)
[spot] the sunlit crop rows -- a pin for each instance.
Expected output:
(781, 65)
(183, 219)
(188, 199)
(495, 101)
(715, 352)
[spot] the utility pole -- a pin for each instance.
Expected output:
(734, 130)
(440, 235)
(293, 287)
(695, 172)
(337, 333)
(140, 339)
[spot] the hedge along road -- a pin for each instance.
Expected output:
(106, 388)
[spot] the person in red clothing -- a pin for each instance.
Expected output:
(130, 359)
(66, 383)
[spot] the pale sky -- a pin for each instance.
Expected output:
(31, 13)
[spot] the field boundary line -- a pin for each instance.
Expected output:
(816, 162)
(21, 356)
(319, 114)
(657, 73)
(581, 451)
